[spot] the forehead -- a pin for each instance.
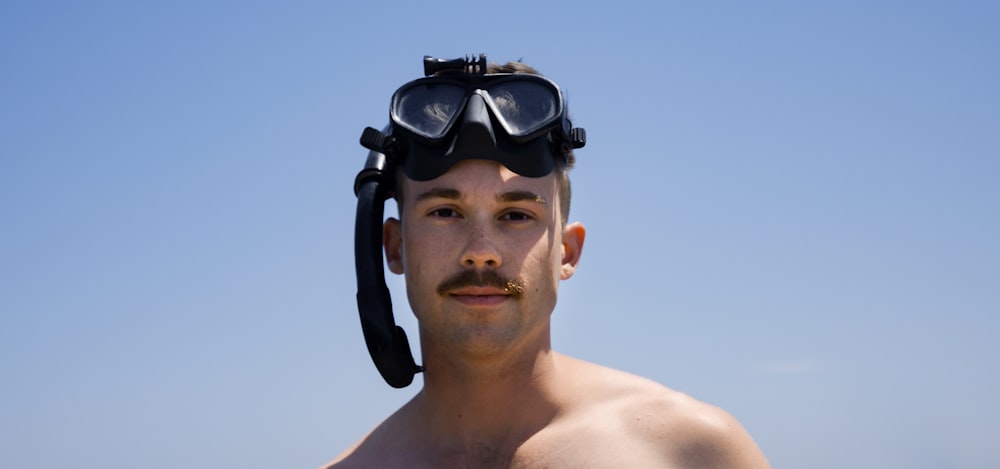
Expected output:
(471, 177)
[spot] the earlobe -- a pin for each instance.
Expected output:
(572, 246)
(392, 242)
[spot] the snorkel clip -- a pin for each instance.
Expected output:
(380, 145)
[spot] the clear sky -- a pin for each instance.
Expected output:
(792, 214)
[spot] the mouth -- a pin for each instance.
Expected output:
(480, 296)
(480, 288)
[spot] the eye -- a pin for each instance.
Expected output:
(516, 216)
(444, 213)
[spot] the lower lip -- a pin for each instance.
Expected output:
(480, 300)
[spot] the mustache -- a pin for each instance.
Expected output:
(486, 278)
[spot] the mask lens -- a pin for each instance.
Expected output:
(525, 106)
(429, 109)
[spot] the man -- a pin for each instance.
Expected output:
(483, 240)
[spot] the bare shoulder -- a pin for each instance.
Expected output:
(698, 434)
(378, 448)
(683, 430)
(353, 457)
(344, 461)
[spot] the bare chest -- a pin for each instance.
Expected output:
(588, 449)
(554, 450)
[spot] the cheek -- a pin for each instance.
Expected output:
(421, 254)
(545, 262)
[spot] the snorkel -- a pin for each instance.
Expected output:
(457, 111)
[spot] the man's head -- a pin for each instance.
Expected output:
(477, 157)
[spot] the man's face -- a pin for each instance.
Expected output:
(483, 250)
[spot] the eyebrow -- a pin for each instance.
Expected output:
(454, 194)
(439, 193)
(522, 196)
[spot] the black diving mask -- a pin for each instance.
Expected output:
(460, 112)
(456, 112)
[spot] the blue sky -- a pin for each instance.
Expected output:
(791, 210)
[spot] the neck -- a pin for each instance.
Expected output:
(497, 401)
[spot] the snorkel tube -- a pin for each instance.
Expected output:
(387, 342)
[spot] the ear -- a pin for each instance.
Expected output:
(392, 242)
(572, 246)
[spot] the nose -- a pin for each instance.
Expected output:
(481, 252)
